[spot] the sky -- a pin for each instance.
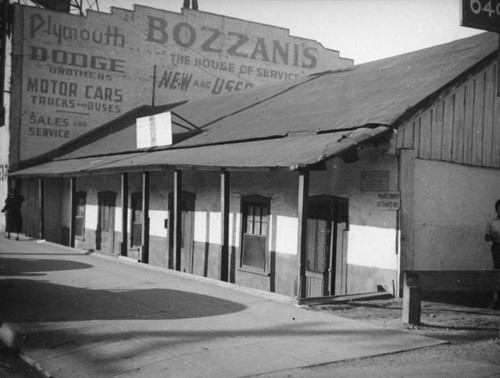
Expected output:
(363, 30)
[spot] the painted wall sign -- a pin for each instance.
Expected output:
(481, 14)
(389, 201)
(375, 181)
(75, 73)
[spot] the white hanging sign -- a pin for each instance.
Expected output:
(154, 131)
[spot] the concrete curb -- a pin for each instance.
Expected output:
(35, 365)
(11, 334)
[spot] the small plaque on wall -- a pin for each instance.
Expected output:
(375, 181)
(389, 201)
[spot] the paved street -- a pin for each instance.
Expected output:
(82, 315)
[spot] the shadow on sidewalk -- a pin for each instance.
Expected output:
(37, 267)
(25, 300)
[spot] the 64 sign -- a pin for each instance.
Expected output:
(485, 15)
(481, 14)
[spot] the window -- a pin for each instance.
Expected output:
(137, 219)
(255, 211)
(80, 202)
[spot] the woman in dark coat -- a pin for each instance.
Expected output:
(13, 209)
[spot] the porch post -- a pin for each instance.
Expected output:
(41, 208)
(72, 211)
(224, 250)
(302, 231)
(145, 221)
(124, 182)
(177, 218)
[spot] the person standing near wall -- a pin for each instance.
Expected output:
(13, 209)
(493, 234)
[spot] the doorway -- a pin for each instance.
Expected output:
(105, 222)
(187, 231)
(326, 265)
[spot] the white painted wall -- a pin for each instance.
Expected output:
(452, 204)
(91, 217)
(373, 247)
(286, 230)
(372, 240)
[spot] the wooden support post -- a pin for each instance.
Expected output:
(72, 211)
(411, 300)
(177, 218)
(406, 218)
(41, 208)
(498, 67)
(124, 245)
(145, 221)
(11, 184)
(302, 210)
(224, 251)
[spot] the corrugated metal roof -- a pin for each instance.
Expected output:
(283, 120)
(293, 152)
(379, 92)
(373, 93)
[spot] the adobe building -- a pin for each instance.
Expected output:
(71, 74)
(332, 183)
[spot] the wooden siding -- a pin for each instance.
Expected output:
(461, 127)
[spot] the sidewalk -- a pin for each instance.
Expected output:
(81, 315)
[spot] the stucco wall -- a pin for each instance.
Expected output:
(282, 188)
(452, 204)
(161, 184)
(370, 237)
(92, 186)
(372, 254)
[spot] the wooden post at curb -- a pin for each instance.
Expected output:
(411, 300)
(417, 282)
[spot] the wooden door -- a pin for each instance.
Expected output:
(326, 265)
(319, 231)
(187, 231)
(105, 222)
